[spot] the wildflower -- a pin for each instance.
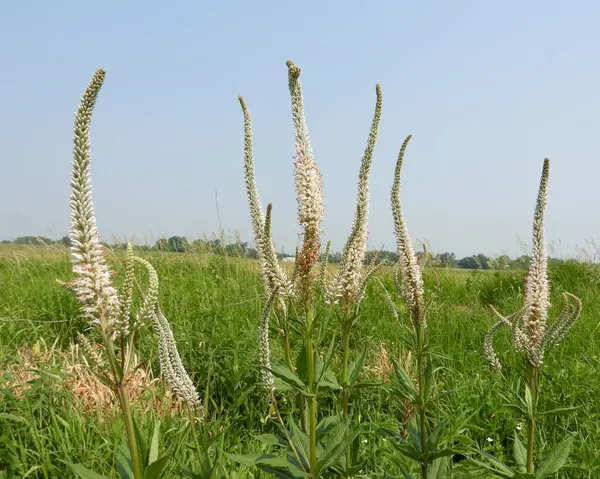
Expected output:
(531, 334)
(264, 347)
(309, 190)
(171, 366)
(347, 283)
(91, 356)
(150, 300)
(275, 279)
(126, 298)
(92, 285)
(489, 439)
(411, 287)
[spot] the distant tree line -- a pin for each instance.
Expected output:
(38, 241)
(216, 246)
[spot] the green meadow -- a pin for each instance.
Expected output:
(52, 411)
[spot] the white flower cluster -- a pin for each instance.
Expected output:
(171, 367)
(530, 331)
(122, 322)
(309, 188)
(275, 279)
(411, 287)
(347, 283)
(93, 284)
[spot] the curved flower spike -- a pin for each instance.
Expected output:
(92, 285)
(411, 288)
(346, 285)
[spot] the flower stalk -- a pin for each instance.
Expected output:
(532, 336)
(410, 288)
(102, 304)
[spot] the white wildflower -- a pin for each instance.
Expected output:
(93, 282)
(530, 331)
(411, 288)
(273, 275)
(347, 282)
(309, 191)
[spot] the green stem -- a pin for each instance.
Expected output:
(287, 349)
(130, 430)
(285, 431)
(195, 435)
(312, 402)
(119, 387)
(346, 398)
(533, 382)
(422, 405)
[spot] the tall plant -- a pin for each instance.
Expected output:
(110, 312)
(314, 447)
(426, 442)
(532, 338)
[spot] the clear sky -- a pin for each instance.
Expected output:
(488, 89)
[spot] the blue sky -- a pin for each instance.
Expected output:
(488, 89)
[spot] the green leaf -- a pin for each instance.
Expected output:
(438, 469)
(288, 377)
(520, 454)
(336, 445)
(289, 472)
(246, 459)
(241, 397)
(404, 472)
(355, 367)
(407, 388)
(157, 468)
(496, 471)
(442, 453)
(329, 381)
(84, 472)
(142, 445)
(124, 461)
(327, 424)
(269, 439)
(302, 364)
(514, 409)
(555, 459)
(153, 451)
(415, 435)
(428, 373)
(272, 463)
(529, 401)
(435, 436)
(301, 442)
(408, 451)
(12, 417)
(329, 356)
(559, 410)
(498, 463)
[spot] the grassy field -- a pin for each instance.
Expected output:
(52, 410)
